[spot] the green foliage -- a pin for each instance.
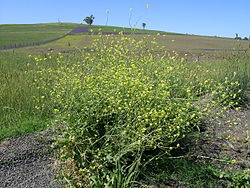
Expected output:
(190, 173)
(26, 125)
(240, 180)
(235, 179)
(180, 173)
(122, 177)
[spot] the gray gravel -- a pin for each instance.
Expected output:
(27, 161)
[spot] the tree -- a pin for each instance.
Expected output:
(237, 36)
(89, 19)
(143, 25)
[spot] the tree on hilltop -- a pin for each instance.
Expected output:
(143, 25)
(89, 19)
(237, 36)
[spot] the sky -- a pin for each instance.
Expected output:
(222, 18)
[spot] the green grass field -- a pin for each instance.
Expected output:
(16, 104)
(30, 33)
(11, 34)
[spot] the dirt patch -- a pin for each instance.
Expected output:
(226, 140)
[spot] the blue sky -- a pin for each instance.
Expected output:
(203, 17)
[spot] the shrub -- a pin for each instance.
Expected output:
(118, 103)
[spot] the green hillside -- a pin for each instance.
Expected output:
(11, 34)
(16, 34)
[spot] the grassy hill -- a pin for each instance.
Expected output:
(15, 34)
(11, 34)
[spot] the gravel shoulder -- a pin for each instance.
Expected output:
(227, 138)
(27, 161)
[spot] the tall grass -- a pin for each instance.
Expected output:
(17, 92)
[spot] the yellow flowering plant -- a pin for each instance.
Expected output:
(119, 101)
